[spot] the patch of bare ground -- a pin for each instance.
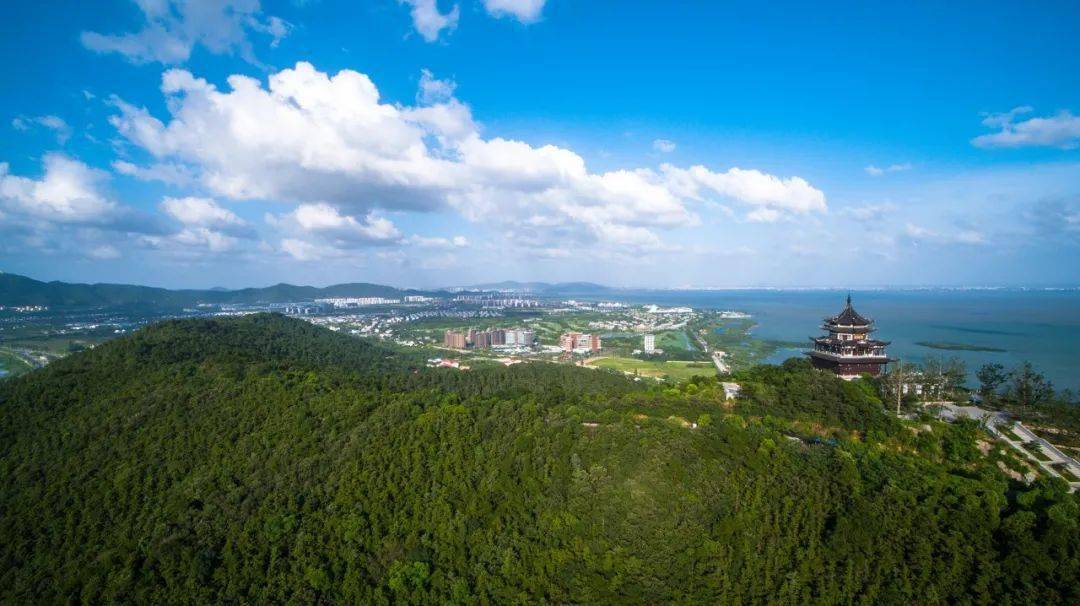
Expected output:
(1009, 472)
(680, 420)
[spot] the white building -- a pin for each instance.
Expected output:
(656, 309)
(521, 337)
(731, 390)
(649, 344)
(346, 302)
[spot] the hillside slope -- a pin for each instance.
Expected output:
(264, 460)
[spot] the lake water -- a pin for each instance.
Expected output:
(1040, 326)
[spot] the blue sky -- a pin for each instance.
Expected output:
(200, 143)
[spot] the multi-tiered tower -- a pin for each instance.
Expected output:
(848, 349)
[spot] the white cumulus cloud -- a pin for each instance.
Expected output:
(319, 230)
(663, 146)
(438, 242)
(68, 210)
(172, 29)
(918, 233)
(69, 192)
(104, 252)
(330, 144)
(54, 123)
(428, 20)
(202, 212)
(876, 171)
(1061, 130)
(171, 174)
(526, 11)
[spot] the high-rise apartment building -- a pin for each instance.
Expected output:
(579, 342)
(649, 344)
(454, 339)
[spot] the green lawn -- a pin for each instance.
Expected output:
(13, 364)
(674, 369)
(674, 340)
(1065, 473)
(1037, 451)
(1007, 432)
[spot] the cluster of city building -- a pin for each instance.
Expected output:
(498, 302)
(303, 309)
(23, 309)
(643, 322)
(577, 342)
(601, 305)
(656, 309)
(347, 302)
(493, 337)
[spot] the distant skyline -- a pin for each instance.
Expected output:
(415, 143)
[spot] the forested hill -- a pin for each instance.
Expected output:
(21, 290)
(263, 460)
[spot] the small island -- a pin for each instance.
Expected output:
(958, 346)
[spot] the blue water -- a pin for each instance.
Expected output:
(1040, 326)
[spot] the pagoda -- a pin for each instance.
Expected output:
(848, 349)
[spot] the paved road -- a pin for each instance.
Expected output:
(718, 360)
(996, 421)
(950, 412)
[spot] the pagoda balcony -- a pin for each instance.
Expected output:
(865, 357)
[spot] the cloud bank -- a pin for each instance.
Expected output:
(331, 144)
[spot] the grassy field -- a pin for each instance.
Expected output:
(1037, 451)
(1065, 473)
(674, 370)
(947, 346)
(12, 364)
(675, 340)
(734, 336)
(547, 327)
(1007, 432)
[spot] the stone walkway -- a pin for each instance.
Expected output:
(998, 423)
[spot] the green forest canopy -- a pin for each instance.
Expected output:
(264, 460)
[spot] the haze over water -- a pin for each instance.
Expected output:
(1040, 326)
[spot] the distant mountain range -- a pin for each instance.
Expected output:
(20, 290)
(546, 288)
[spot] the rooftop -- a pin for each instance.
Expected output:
(849, 317)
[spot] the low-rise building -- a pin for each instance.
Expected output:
(731, 390)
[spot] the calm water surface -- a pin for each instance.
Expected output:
(1041, 326)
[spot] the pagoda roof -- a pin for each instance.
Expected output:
(849, 317)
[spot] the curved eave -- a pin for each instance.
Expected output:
(848, 328)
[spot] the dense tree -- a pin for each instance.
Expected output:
(264, 460)
(991, 377)
(1028, 387)
(944, 375)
